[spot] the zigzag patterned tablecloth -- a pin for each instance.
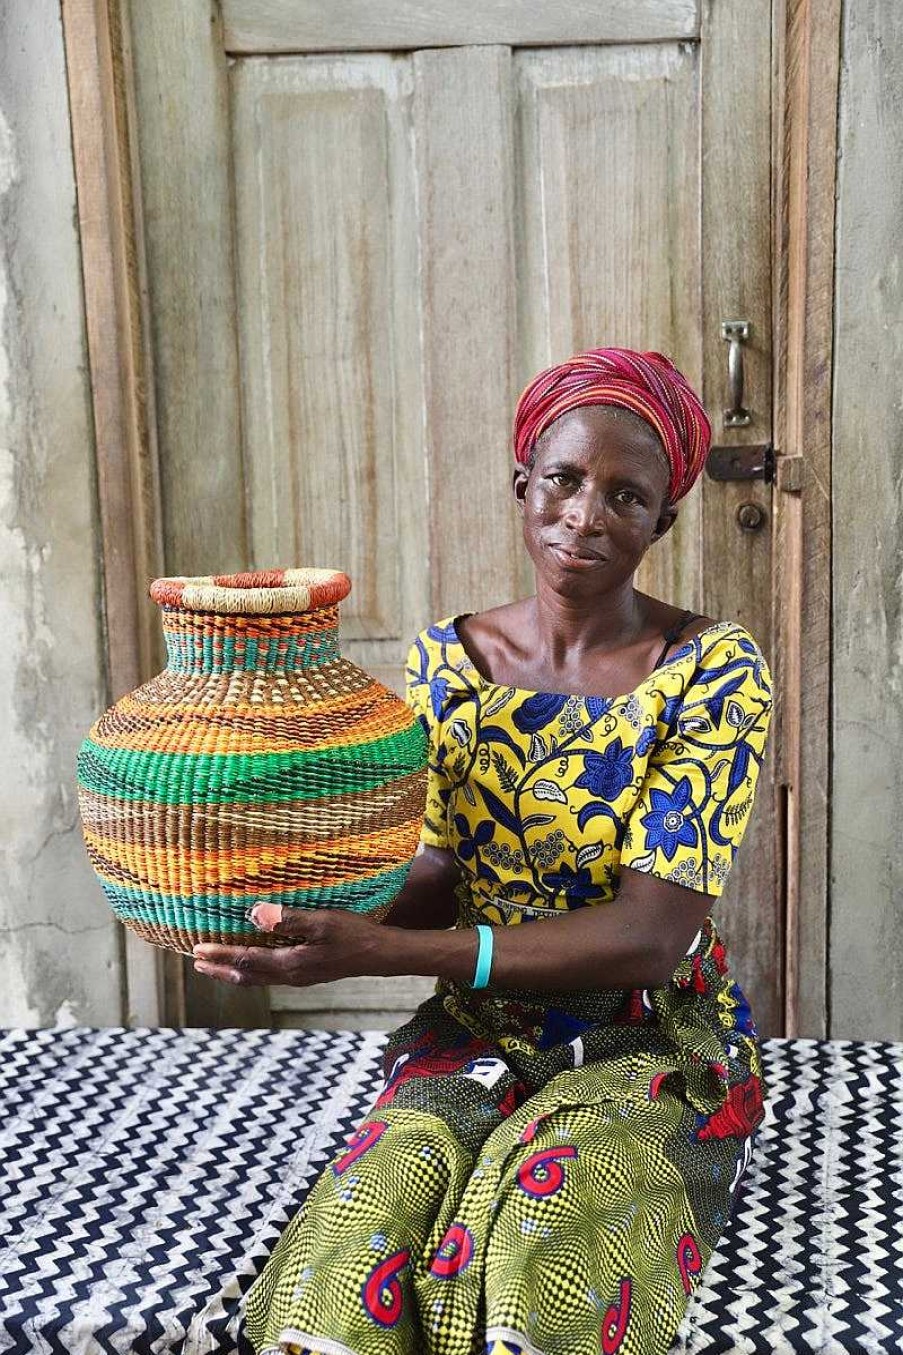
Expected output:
(145, 1175)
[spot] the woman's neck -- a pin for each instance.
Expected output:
(567, 629)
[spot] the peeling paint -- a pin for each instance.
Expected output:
(58, 943)
(15, 569)
(66, 1016)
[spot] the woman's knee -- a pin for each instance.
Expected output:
(400, 1161)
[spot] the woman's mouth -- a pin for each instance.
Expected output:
(574, 558)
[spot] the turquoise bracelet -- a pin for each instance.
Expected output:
(484, 957)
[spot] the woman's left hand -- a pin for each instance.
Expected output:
(331, 943)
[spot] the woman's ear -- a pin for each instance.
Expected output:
(666, 521)
(519, 482)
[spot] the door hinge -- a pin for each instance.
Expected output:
(755, 461)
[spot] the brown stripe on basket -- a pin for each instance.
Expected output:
(205, 730)
(337, 679)
(254, 824)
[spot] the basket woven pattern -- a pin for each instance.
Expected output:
(259, 766)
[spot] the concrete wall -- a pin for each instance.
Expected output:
(59, 947)
(866, 937)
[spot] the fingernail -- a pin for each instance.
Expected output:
(201, 968)
(266, 916)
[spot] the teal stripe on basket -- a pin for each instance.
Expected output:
(221, 778)
(227, 912)
(189, 653)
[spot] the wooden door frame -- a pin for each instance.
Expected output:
(121, 375)
(805, 73)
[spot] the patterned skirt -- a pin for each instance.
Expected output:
(490, 1205)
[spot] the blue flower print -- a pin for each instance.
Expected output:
(577, 885)
(438, 695)
(758, 658)
(468, 845)
(715, 702)
(670, 712)
(666, 824)
(744, 1021)
(597, 706)
(538, 711)
(444, 634)
(646, 740)
(607, 773)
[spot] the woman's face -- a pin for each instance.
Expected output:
(594, 500)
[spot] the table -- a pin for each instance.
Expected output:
(146, 1174)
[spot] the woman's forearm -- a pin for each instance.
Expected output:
(589, 948)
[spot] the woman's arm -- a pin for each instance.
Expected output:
(635, 941)
(427, 900)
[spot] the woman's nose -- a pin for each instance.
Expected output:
(584, 512)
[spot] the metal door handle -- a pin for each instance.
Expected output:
(736, 332)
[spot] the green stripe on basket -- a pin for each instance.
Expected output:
(218, 778)
(227, 912)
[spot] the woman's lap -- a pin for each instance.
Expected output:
(571, 1217)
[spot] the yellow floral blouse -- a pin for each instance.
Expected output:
(544, 797)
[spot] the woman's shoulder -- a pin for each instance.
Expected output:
(489, 638)
(726, 649)
(432, 644)
(467, 636)
(436, 661)
(716, 634)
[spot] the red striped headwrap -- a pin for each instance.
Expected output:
(647, 383)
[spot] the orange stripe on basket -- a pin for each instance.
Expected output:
(219, 627)
(330, 862)
(262, 883)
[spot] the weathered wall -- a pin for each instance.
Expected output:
(59, 948)
(866, 937)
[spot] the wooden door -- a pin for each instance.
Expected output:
(366, 227)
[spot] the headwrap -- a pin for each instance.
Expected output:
(647, 383)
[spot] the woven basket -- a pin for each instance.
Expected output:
(259, 765)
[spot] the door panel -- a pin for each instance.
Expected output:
(464, 137)
(186, 174)
(608, 230)
(738, 572)
(362, 25)
(330, 325)
(419, 225)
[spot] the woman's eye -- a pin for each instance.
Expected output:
(633, 498)
(561, 477)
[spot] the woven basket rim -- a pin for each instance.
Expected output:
(253, 592)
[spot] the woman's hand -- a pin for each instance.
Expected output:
(331, 943)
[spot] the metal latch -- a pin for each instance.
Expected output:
(755, 461)
(736, 333)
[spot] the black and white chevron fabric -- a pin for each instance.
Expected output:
(145, 1176)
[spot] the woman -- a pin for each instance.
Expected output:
(564, 1124)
